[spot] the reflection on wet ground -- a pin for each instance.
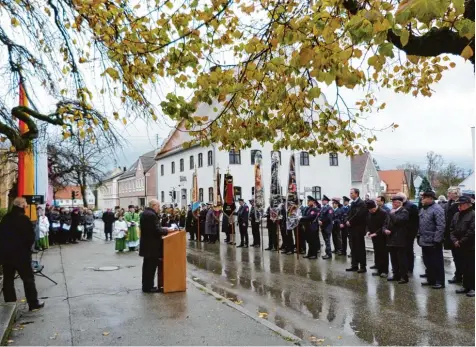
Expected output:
(317, 299)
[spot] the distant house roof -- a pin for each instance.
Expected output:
(147, 160)
(65, 194)
(116, 172)
(358, 165)
(393, 179)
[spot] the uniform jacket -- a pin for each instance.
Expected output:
(462, 229)
(243, 214)
(450, 210)
(151, 245)
(17, 235)
(309, 219)
(398, 225)
(377, 222)
(338, 215)
(253, 214)
(357, 216)
(55, 218)
(326, 217)
(345, 213)
(432, 225)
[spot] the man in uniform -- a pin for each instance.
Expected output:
(377, 223)
(243, 217)
(462, 236)
(202, 217)
(301, 235)
(344, 230)
(311, 229)
(255, 219)
(326, 222)
(191, 224)
(336, 222)
(356, 222)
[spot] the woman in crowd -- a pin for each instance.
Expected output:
(44, 228)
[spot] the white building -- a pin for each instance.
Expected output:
(64, 198)
(108, 193)
(317, 175)
(365, 176)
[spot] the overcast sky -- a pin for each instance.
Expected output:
(441, 124)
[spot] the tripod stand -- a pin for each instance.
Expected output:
(38, 269)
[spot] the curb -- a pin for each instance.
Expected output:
(7, 318)
(283, 333)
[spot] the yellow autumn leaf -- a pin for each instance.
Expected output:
(15, 22)
(106, 333)
(467, 52)
(263, 315)
(124, 120)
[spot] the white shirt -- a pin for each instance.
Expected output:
(43, 226)
(120, 228)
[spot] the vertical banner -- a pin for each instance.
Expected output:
(259, 189)
(292, 196)
(229, 200)
(218, 200)
(275, 195)
(195, 201)
(26, 164)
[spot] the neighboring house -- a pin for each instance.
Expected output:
(467, 186)
(365, 175)
(328, 174)
(396, 181)
(108, 193)
(138, 184)
(63, 197)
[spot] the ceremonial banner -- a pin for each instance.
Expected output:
(292, 196)
(26, 164)
(218, 200)
(194, 186)
(259, 189)
(229, 203)
(275, 190)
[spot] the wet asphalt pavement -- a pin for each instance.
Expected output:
(318, 301)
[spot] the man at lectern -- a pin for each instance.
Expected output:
(151, 247)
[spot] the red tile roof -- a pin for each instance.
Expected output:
(394, 179)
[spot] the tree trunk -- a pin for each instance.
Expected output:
(83, 193)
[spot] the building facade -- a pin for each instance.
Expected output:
(396, 181)
(138, 185)
(108, 194)
(365, 176)
(63, 197)
(328, 174)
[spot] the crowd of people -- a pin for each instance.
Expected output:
(435, 224)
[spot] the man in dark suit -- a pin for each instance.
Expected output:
(357, 222)
(243, 218)
(412, 230)
(17, 235)
(151, 247)
(108, 218)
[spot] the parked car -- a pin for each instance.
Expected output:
(97, 214)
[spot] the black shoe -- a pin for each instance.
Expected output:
(470, 294)
(252, 245)
(289, 253)
(240, 246)
(403, 281)
(438, 286)
(268, 249)
(393, 279)
(352, 269)
(39, 305)
(455, 280)
(151, 290)
(306, 256)
(312, 257)
(423, 276)
(344, 254)
(373, 267)
(246, 246)
(349, 256)
(375, 274)
(327, 256)
(302, 252)
(427, 284)
(362, 270)
(257, 246)
(462, 291)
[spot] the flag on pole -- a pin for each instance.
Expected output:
(195, 197)
(276, 197)
(259, 188)
(218, 200)
(229, 203)
(26, 162)
(292, 196)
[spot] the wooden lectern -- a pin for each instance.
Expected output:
(174, 262)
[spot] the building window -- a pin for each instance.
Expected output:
(192, 162)
(200, 194)
(237, 191)
(182, 165)
(316, 192)
(162, 170)
(279, 154)
(333, 159)
(253, 154)
(200, 159)
(162, 196)
(210, 158)
(304, 159)
(235, 157)
(173, 167)
(210, 194)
